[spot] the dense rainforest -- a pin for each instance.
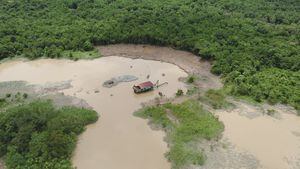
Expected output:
(38, 135)
(254, 44)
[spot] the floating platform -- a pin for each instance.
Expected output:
(143, 87)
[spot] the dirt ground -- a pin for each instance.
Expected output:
(1, 165)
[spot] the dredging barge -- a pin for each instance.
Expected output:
(146, 86)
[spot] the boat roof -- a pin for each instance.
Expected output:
(146, 84)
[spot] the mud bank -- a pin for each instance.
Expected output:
(2, 164)
(46, 91)
(185, 60)
(118, 139)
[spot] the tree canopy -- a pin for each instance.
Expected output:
(37, 135)
(242, 37)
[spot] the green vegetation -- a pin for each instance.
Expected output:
(2, 102)
(192, 90)
(37, 135)
(10, 100)
(75, 55)
(273, 85)
(215, 98)
(191, 79)
(25, 95)
(185, 124)
(271, 112)
(246, 39)
(179, 92)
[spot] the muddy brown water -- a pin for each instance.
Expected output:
(118, 139)
(273, 141)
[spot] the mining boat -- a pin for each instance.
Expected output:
(143, 87)
(147, 86)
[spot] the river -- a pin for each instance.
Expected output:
(118, 139)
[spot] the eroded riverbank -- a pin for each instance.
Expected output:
(185, 60)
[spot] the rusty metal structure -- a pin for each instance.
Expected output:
(146, 86)
(143, 87)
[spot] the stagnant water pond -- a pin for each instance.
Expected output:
(117, 139)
